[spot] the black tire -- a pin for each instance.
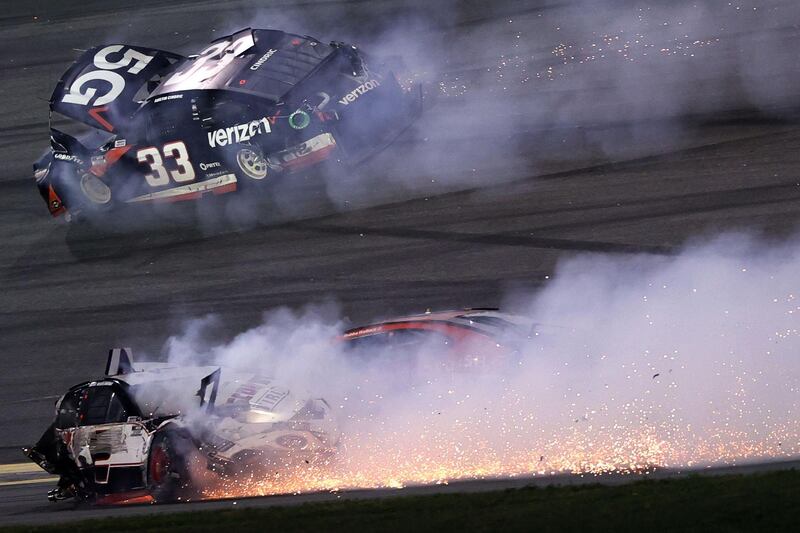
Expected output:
(168, 474)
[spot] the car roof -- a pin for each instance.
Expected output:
(271, 66)
(486, 321)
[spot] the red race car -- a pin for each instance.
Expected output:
(469, 337)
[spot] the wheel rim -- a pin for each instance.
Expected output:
(252, 163)
(159, 465)
(95, 190)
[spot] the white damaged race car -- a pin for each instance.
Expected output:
(149, 431)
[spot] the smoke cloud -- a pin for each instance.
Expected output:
(636, 363)
(527, 90)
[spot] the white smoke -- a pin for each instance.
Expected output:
(637, 363)
(528, 90)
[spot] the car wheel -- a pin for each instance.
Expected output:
(168, 476)
(95, 190)
(252, 162)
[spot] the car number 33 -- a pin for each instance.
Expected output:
(160, 176)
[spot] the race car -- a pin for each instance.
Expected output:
(151, 431)
(153, 126)
(474, 337)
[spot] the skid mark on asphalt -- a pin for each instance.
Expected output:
(38, 399)
(496, 239)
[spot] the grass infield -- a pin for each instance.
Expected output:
(759, 502)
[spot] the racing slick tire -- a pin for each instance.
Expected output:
(168, 474)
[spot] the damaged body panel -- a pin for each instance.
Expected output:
(153, 430)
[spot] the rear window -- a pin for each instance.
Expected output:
(275, 71)
(266, 62)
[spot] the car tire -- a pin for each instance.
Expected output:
(168, 474)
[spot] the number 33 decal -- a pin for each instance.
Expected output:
(160, 176)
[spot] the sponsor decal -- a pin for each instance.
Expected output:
(68, 157)
(271, 398)
(293, 153)
(219, 443)
(206, 166)
(238, 133)
(364, 331)
(299, 120)
(308, 153)
(218, 173)
(353, 95)
(192, 191)
(168, 97)
(292, 441)
(244, 393)
(215, 167)
(263, 59)
(119, 143)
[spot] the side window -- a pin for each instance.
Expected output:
(67, 416)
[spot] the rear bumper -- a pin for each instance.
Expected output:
(376, 121)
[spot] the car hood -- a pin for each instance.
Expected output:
(163, 390)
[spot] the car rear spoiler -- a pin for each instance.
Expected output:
(120, 361)
(209, 398)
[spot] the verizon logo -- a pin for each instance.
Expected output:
(238, 133)
(353, 95)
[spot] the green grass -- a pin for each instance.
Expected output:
(762, 502)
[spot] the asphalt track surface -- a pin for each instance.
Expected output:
(67, 296)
